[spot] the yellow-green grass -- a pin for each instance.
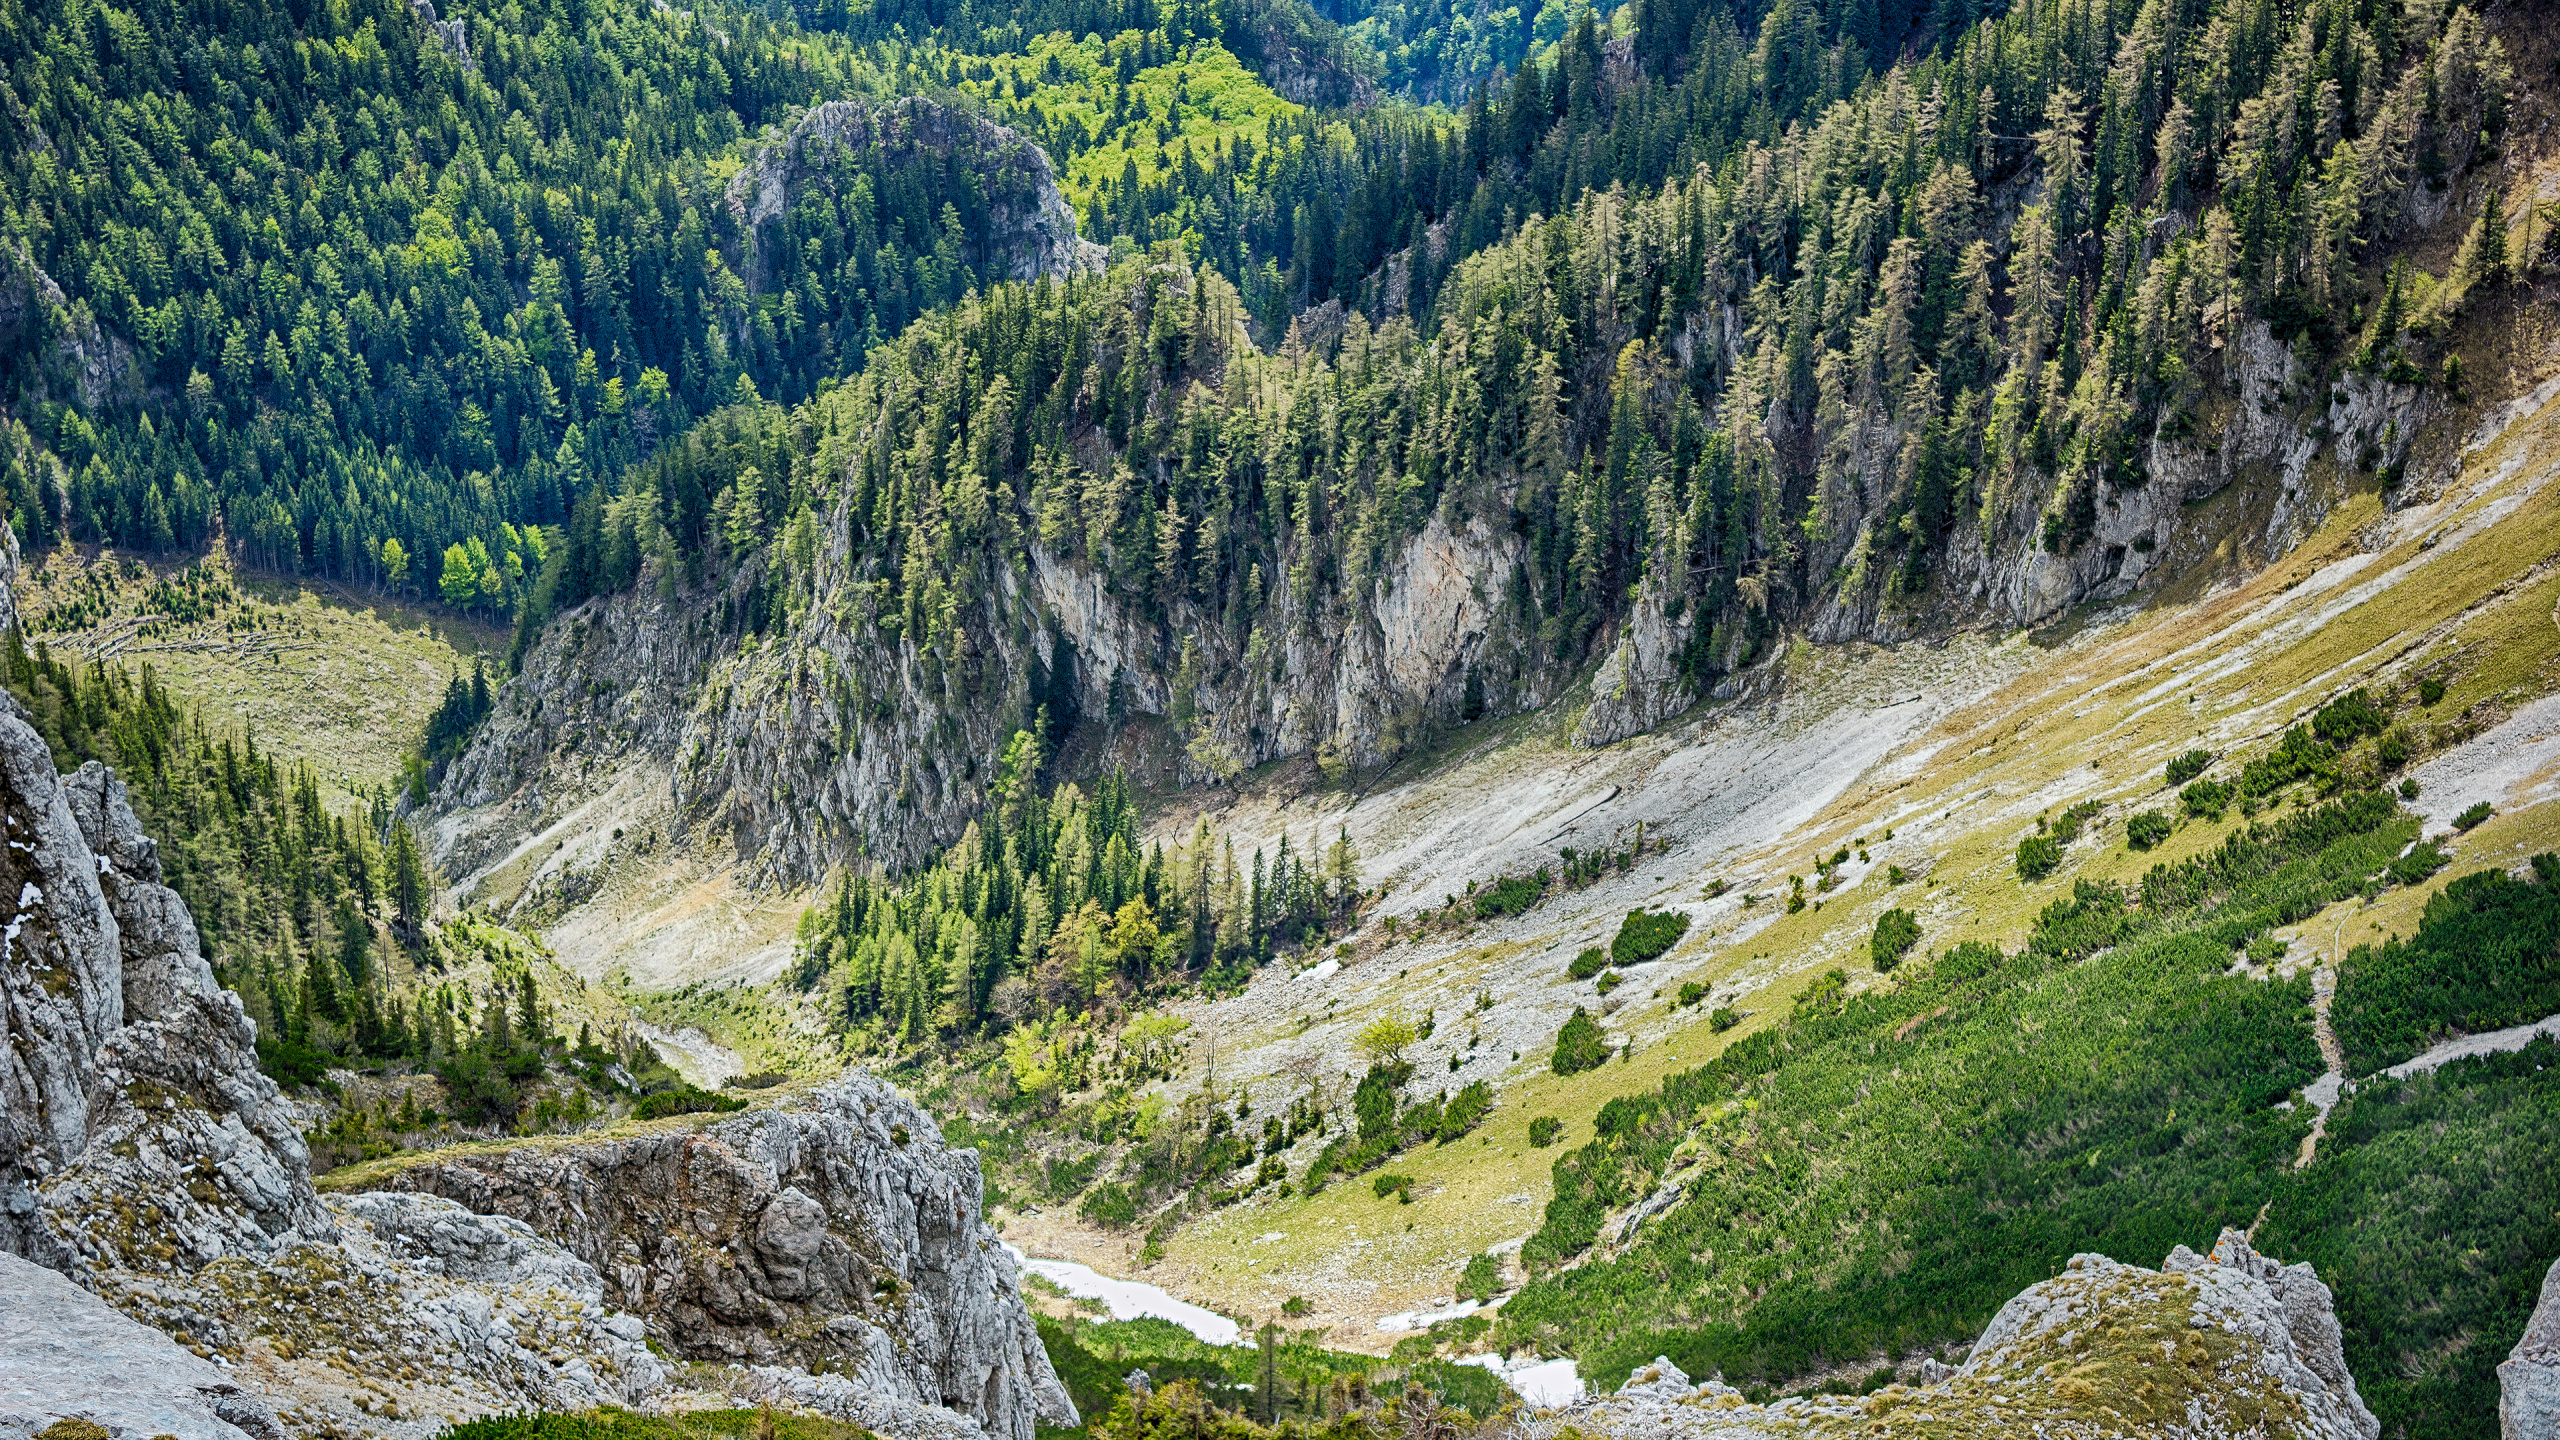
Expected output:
(2098, 718)
(321, 675)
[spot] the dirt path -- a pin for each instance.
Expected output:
(2322, 1094)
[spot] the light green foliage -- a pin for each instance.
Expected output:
(1579, 1045)
(2106, 1088)
(1895, 933)
(2038, 856)
(1647, 935)
(2486, 956)
(2188, 766)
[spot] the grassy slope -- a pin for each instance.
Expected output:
(2463, 588)
(321, 676)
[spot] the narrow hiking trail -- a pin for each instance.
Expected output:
(2322, 1094)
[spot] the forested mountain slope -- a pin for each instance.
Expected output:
(1959, 350)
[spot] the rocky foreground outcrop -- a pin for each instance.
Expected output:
(71, 1355)
(833, 1232)
(2529, 1381)
(144, 1157)
(2231, 1343)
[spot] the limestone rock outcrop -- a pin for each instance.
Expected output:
(144, 1157)
(2227, 1343)
(141, 1135)
(2529, 1381)
(1029, 229)
(832, 1232)
(637, 712)
(70, 1357)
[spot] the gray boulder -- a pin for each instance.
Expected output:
(2229, 1343)
(2529, 1381)
(834, 1231)
(64, 1355)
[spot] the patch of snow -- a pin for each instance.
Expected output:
(1320, 972)
(1421, 1319)
(1545, 1384)
(1131, 1299)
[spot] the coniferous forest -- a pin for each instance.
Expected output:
(1730, 315)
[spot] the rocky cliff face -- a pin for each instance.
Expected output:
(2529, 1381)
(2223, 1344)
(128, 1071)
(1031, 230)
(147, 1159)
(826, 740)
(834, 1233)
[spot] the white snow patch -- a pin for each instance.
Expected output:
(1131, 1299)
(1419, 1319)
(1546, 1384)
(1320, 972)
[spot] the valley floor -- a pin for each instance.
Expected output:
(1937, 760)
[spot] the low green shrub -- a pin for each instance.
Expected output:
(2472, 817)
(2423, 860)
(1646, 935)
(1114, 1207)
(1544, 1130)
(1481, 1279)
(1510, 895)
(2430, 690)
(1465, 1111)
(1691, 992)
(1400, 1186)
(2394, 749)
(2486, 956)
(2188, 766)
(1579, 1045)
(2067, 825)
(2206, 798)
(1724, 1018)
(2147, 829)
(1591, 961)
(1896, 932)
(2349, 718)
(684, 1100)
(2038, 856)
